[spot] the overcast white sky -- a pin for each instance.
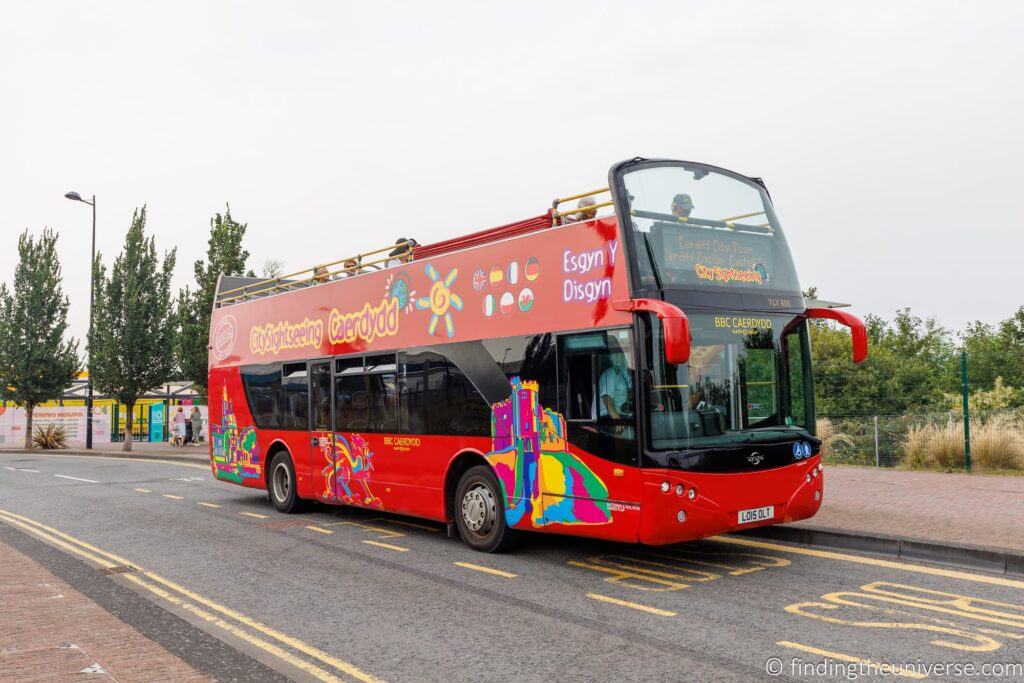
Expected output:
(890, 134)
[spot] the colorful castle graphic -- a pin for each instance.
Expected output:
(236, 455)
(348, 463)
(541, 480)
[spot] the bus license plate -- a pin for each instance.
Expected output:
(757, 514)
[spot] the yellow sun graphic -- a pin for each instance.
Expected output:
(441, 300)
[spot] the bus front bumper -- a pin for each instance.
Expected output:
(793, 492)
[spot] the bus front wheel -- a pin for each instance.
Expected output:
(480, 511)
(281, 484)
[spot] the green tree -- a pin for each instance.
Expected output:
(994, 352)
(36, 362)
(224, 255)
(134, 322)
(907, 367)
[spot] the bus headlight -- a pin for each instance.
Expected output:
(691, 494)
(665, 487)
(681, 516)
(808, 479)
(817, 495)
(679, 489)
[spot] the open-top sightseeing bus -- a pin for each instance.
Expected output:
(635, 367)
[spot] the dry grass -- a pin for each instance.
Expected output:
(996, 444)
(830, 436)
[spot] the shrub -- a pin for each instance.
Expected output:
(998, 443)
(49, 437)
(915, 446)
(831, 438)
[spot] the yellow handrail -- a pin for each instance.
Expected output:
(273, 285)
(562, 200)
(580, 209)
(742, 215)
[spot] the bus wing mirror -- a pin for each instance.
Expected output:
(856, 325)
(673, 321)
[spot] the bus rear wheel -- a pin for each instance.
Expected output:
(480, 511)
(281, 484)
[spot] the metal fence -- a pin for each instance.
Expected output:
(994, 441)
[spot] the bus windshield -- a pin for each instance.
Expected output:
(747, 372)
(696, 227)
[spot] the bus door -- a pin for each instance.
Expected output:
(322, 449)
(597, 377)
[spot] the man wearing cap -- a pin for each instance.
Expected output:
(682, 205)
(402, 253)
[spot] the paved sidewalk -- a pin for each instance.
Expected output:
(969, 509)
(51, 632)
(139, 450)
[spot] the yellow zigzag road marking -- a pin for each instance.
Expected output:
(109, 560)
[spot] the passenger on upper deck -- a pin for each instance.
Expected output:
(320, 274)
(586, 214)
(682, 205)
(349, 268)
(402, 253)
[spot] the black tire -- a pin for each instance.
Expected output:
(281, 484)
(479, 511)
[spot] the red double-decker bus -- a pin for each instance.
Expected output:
(633, 364)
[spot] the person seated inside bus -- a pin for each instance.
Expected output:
(615, 394)
(710, 391)
(350, 267)
(682, 205)
(402, 253)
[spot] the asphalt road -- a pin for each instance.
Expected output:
(356, 594)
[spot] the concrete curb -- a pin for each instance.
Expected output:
(994, 560)
(187, 459)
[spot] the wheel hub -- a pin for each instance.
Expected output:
(478, 509)
(282, 483)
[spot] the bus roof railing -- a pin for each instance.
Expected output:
(318, 274)
(559, 216)
(363, 263)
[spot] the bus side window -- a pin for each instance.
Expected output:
(382, 393)
(580, 388)
(295, 396)
(597, 378)
(263, 391)
(350, 401)
(436, 398)
(793, 348)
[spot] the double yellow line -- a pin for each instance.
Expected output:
(326, 668)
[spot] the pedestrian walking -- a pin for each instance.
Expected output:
(179, 427)
(197, 424)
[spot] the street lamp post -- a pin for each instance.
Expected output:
(74, 196)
